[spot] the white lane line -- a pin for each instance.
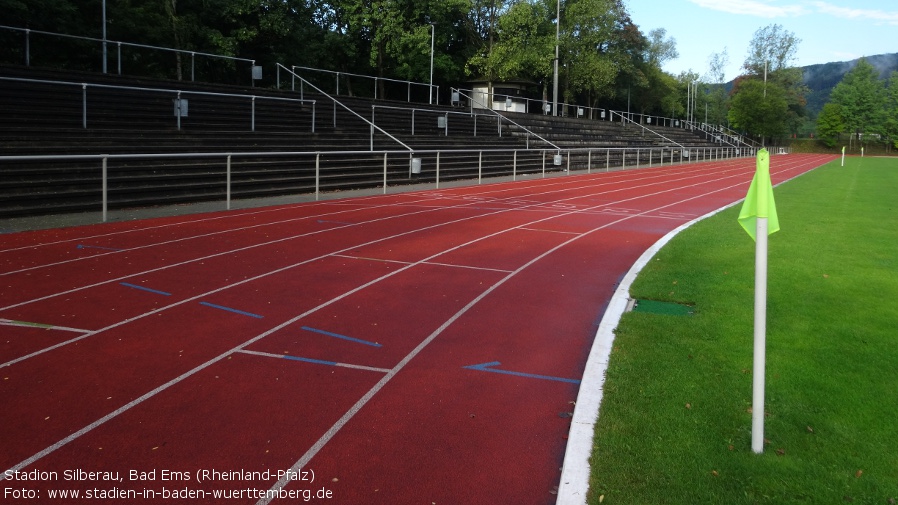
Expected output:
(26, 324)
(288, 267)
(303, 461)
(333, 430)
(304, 235)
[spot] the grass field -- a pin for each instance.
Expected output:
(675, 421)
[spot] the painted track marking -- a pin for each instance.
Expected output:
(314, 361)
(344, 337)
(349, 414)
(488, 367)
(143, 288)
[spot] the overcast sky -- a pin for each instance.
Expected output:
(831, 30)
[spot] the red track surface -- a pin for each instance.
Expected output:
(423, 284)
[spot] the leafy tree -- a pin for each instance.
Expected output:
(892, 109)
(830, 124)
(717, 95)
(592, 46)
(772, 48)
(862, 98)
(759, 109)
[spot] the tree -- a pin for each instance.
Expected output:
(591, 33)
(759, 109)
(892, 109)
(862, 98)
(772, 48)
(830, 124)
(717, 95)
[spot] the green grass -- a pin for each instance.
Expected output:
(675, 421)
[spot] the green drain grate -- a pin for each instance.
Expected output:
(663, 308)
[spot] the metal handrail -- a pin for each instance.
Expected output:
(504, 118)
(433, 111)
(605, 114)
(338, 74)
(707, 154)
(28, 31)
(84, 86)
(644, 129)
(337, 102)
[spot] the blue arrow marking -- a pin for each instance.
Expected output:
(229, 309)
(344, 337)
(487, 367)
(142, 288)
(82, 246)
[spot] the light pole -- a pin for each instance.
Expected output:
(555, 79)
(433, 32)
(104, 36)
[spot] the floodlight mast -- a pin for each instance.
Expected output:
(433, 31)
(104, 36)
(555, 78)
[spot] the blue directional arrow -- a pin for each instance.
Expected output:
(82, 246)
(487, 367)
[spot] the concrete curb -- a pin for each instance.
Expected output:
(574, 484)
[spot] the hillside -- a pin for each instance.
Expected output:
(821, 79)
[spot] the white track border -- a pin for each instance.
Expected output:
(575, 471)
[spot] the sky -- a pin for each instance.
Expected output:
(829, 30)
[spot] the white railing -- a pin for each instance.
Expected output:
(119, 44)
(627, 120)
(505, 118)
(180, 105)
(537, 163)
(337, 102)
(337, 75)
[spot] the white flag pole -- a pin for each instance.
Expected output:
(760, 341)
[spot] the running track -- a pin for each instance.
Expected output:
(415, 348)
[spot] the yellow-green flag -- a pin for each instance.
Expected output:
(759, 200)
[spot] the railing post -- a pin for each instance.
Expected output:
(607, 160)
(317, 173)
(314, 106)
(438, 170)
(447, 124)
(589, 160)
(178, 108)
(385, 172)
(413, 121)
(637, 157)
(119, 54)
(544, 163)
(480, 167)
(253, 118)
(27, 48)
(228, 184)
(84, 105)
(193, 68)
(105, 187)
(514, 166)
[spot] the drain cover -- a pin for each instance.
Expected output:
(663, 308)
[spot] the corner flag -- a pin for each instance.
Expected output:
(759, 200)
(758, 217)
